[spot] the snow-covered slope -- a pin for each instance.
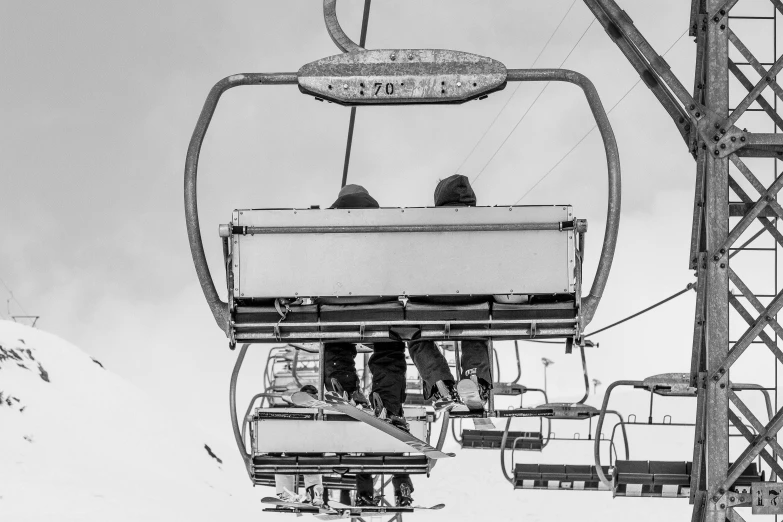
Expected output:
(79, 443)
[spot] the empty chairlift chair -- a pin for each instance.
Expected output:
(558, 476)
(666, 479)
(580, 477)
(537, 250)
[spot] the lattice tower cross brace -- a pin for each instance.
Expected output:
(711, 134)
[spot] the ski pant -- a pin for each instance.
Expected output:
(433, 367)
(387, 365)
(364, 486)
(283, 482)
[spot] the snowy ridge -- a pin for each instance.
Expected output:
(79, 443)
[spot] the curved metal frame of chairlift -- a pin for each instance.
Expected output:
(220, 310)
(598, 439)
(667, 385)
(550, 435)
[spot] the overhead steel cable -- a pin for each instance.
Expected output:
(514, 92)
(690, 286)
(637, 314)
(352, 120)
(514, 128)
(593, 127)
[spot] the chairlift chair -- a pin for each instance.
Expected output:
(556, 476)
(289, 440)
(665, 479)
(537, 250)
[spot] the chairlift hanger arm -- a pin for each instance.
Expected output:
(219, 308)
(600, 423)
(238, 436)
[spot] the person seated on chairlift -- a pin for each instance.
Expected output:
(476, 380)
(285, 485)
(387, 365)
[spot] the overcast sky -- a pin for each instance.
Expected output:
(100, 99)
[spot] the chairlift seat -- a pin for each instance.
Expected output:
(492, 439)
(375, 312)
(667, 479)
(559, 476)
(674, 473)
(634, 472)
(364, 255)
(582, 473)
(542, 311)
(340, 464)
(451, 313)
(265, 319)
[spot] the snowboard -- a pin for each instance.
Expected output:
(334, 402)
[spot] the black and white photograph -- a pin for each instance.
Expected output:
(391, 260)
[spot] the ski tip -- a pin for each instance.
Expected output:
(437, 506)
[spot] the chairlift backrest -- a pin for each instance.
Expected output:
(368, 252)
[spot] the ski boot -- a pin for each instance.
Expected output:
(445, 396)
(472, 391)
(366, 501)
(402, 498)
(356, 398)
(287, 496)
(314, 495)
(380, 411)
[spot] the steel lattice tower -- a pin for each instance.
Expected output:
(730, 124)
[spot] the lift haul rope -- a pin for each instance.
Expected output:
(519, 84)
(637, 314)
(561, 160)
(514, 128)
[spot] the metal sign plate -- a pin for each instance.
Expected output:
(402, 76)
(766, 498)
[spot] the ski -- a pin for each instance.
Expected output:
(297, 507)
(382, 509)
(334, 402)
